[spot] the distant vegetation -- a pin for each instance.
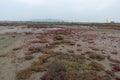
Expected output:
(52, 24)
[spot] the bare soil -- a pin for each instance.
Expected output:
(22, 48)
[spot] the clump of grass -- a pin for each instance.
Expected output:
(79, 49)
(29, 57)
(43, 41)
(56, 43)
(67, 42)
(24, 74)
(46, 76)
(69, 67)
(44, 57)
(29, 52)
(38, 68)
(48, 51)
(87, 67)
(58, 37)
(15, 49)
(94, 48)
(55, 71)
(114, 52)
(37, 62)
(97, 66)
(70, 64)
(34, 48)
(71, 43)
(70, 51)
(82, 56)
(96, 56)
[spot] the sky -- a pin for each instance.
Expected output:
(71, 10)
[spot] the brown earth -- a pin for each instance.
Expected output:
(60, 53)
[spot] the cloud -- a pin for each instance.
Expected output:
(90, 4)
(64, 9)
(95, 4)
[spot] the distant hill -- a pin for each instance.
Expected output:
(47, 20)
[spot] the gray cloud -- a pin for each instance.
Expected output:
(76, 10)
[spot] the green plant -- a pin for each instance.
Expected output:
(86, 67)
(70, 64)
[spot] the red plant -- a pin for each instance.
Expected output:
(29, 57)
(44, 58)
(35, 48)
(46, 77)
(116, 67)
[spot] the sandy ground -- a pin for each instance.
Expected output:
(15, 41)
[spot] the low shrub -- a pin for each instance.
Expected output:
(23, 74)
(29, 57)
(37, 62)
(38, 68)
(58, 37)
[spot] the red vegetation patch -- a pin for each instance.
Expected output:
(88, 52)
(35, 48)
(61, 31)
(82, 56)
(43, 41)
(38, 68)
(94, 48)
(117, 78)
(97, 56)
(23, 74)
(116, 67)
(97, 66)
(89, 36)
(58, 37)
(29, 57)
(44, 58)
(114, 52)
(112, 73)
(46, 77)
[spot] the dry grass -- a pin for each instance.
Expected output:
(38, 68)
(37, 62)
(70, 51)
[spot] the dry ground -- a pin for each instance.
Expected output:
(75, 53)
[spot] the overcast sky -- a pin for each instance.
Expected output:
(72, 10)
